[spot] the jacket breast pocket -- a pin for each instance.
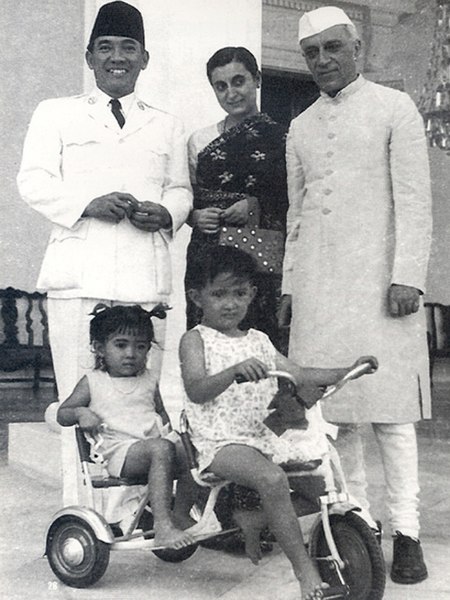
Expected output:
(81, 151)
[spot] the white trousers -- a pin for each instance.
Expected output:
(398, 449)
(68, 321)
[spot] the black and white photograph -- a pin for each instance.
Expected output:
(225, 300)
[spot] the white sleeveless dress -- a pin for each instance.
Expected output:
(126, 406)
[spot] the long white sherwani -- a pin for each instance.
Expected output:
(360, 220)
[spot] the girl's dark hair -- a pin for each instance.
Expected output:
(121, 319)
(229, 54)
(222, 259)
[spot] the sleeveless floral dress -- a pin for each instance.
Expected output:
(236, 416)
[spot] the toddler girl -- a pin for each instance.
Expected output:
(226, 418)
(122, 396)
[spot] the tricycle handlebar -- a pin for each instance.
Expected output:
(355, 372)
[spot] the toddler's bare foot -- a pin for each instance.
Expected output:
(311, 584)
(314, 591)
(170, 536)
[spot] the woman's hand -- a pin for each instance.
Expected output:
(251, 369)
(237, 213)
(366, 359)
(207, 219)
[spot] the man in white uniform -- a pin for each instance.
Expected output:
(359, 230)
(112, 177)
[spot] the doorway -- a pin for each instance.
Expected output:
(285, 95)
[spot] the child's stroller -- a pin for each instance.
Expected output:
(348, 554)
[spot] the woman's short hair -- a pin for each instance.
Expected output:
(229, 54)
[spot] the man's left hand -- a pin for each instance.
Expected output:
(151, 217)
(403, 300)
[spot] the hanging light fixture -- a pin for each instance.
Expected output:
(435, 101)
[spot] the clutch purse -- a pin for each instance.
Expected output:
(265, 245)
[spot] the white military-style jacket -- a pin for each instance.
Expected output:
(75, 152)
(359, 220)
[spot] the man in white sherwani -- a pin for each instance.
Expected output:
(359, 229)
(110, 172)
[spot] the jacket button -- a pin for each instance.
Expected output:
(326, 211)
(327, 192)
(331, 136)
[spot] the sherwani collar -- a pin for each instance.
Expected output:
(346, 92)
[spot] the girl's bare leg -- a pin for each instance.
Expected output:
(156, 458)
(187, 490)
(246, 466)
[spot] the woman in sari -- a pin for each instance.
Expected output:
(238, 174)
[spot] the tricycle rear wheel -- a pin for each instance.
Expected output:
(74, 553)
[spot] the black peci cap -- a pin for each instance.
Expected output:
(118, 19)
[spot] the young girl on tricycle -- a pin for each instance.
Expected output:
(119, 405)
(226, 418)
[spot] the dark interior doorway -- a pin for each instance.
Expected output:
(285, 95)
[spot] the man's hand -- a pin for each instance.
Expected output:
(111, 207)
(403, 300)
(236, 214)
(207, 220)
(285, 311)
(151, 217)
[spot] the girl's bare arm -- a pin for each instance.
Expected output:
(75, 410)
(201, 387)
(318, 376)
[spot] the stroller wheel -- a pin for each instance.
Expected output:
(364, 571)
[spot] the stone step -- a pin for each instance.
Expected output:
(35, 450)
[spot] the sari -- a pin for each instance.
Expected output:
(245, 160)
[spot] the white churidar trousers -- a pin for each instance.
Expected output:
(398, 450)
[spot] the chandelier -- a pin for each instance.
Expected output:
(434, 103)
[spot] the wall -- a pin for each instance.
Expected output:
(43, 43)
(408, 62)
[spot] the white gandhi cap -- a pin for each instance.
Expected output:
(316, 21)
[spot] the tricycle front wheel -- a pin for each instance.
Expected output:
(364, 569)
